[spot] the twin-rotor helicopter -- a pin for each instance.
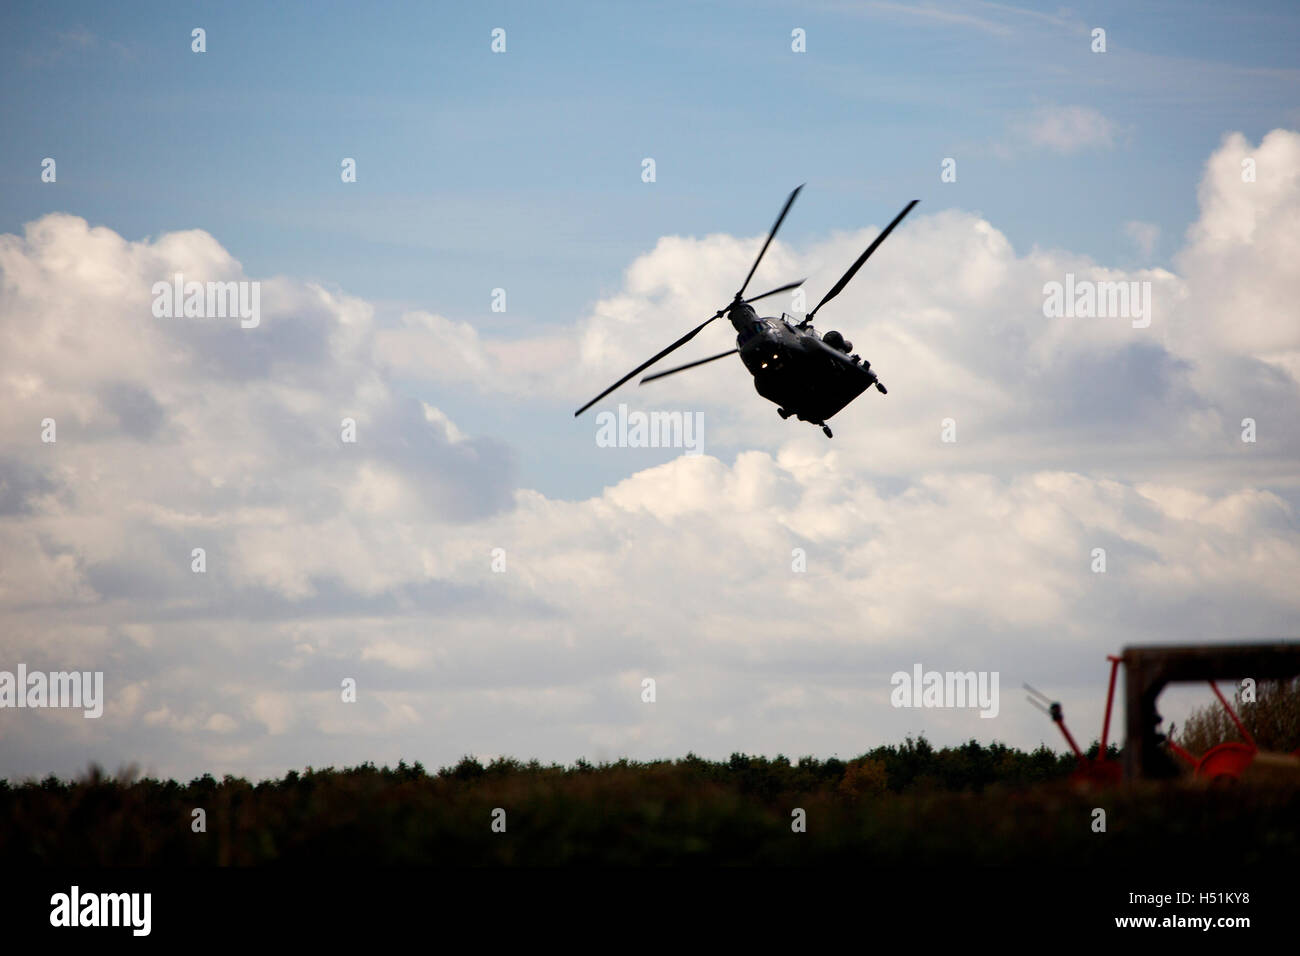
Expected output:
(806, 374)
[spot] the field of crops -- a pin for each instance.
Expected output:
(904, 805)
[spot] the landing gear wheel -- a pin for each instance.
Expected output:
(827, 430)
(783, 413)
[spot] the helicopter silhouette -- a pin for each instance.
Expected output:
(805, 374)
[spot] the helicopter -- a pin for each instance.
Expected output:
(805, 374)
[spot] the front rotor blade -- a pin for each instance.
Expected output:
(785, 288)
(645, 365)
(682, 368)
(775, 226)
(853, 269)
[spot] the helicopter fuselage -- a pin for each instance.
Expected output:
(804, 374)
(795, 369)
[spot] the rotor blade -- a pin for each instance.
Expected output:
(775, 226)
(645, 365)
(682, 368)
(853, 269)
(686, 338)
(785, 288)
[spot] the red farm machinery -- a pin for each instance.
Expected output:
(1147, 669)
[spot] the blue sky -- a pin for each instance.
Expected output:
(522, 171)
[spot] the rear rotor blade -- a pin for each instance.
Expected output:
(775, 226)
(645, 365)
(784, 288)
(683, 340)
(853, 269)
(682, 368)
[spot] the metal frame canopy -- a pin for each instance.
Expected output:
(1149, 667)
